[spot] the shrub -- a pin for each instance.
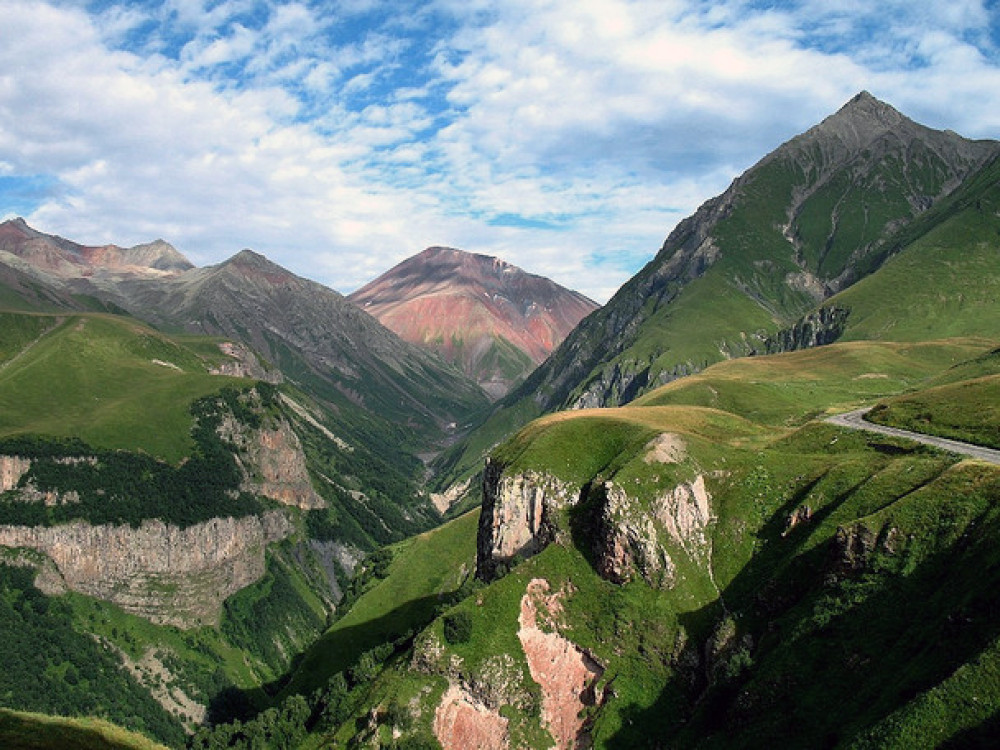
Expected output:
(458, 627)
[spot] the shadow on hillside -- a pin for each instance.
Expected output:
(982, 737)
(337, 650)
(834, 648)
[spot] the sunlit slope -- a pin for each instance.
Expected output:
(842, 591)
(946, 280)
(112, 382)
(424, 573)
(791, 388)
(900, 219)
(965, 406)
(21, 730)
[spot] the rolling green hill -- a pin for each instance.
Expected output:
(112, 382)
(840, 592)
(20, 730)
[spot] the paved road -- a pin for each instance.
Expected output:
(855, 420)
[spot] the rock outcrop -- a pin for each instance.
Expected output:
(463, 722)
(631, 536)
(627, 541)
(517, 518)
(12, 468)
(169, 575)
(565, 673)
(243, 363)
(819, 328)
(273, 462)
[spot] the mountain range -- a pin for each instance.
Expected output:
(656, 538)
(493, 320)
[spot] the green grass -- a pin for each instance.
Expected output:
(944, 283)
(21, 730)
(808, 649)
(109, 381)
(789, 389)
(425, 569)
(968, 411)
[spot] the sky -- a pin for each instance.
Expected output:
(337, 138)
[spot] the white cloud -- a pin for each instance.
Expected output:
(338, 149)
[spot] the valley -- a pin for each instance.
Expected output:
(236, 510)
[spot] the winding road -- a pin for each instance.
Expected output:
(855, 420)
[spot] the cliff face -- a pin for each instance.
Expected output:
(169, 575)
(273, 462)
(631, 537)
(518, 516)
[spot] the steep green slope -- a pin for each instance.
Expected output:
(109, 381)
(944, 282)
(840, 592)
(20, 730)
(819, 215)
(424, 572)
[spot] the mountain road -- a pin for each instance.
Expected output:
(855, 420)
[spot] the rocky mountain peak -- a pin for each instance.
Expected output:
(159, 254)
(251, 265)
(866, 124)
(55, 257)
(491, 318)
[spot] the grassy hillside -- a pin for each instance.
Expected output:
(109, 381)
(902, 219)
(425, 571)
(844, 593)
(20, 730)
(789, 389)
(945, 281)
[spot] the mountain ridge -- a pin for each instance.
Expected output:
(806, 221)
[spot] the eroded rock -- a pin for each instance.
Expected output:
(517, 520)
(565, 673)
(463, 722)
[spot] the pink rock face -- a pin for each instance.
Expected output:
(565, 673)
(463, 723)
(461, 304)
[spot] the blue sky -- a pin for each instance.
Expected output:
(337, 138)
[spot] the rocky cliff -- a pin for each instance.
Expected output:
(272, 461)
(518, 516)
(169, 575)
(631, 536)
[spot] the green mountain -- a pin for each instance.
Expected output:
(712, 566)
(810, 226)
(173, 531)
(703, 561)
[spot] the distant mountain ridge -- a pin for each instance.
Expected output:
(64, 259)
(392, 396)
(494, 320)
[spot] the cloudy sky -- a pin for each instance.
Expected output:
(337, 138)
